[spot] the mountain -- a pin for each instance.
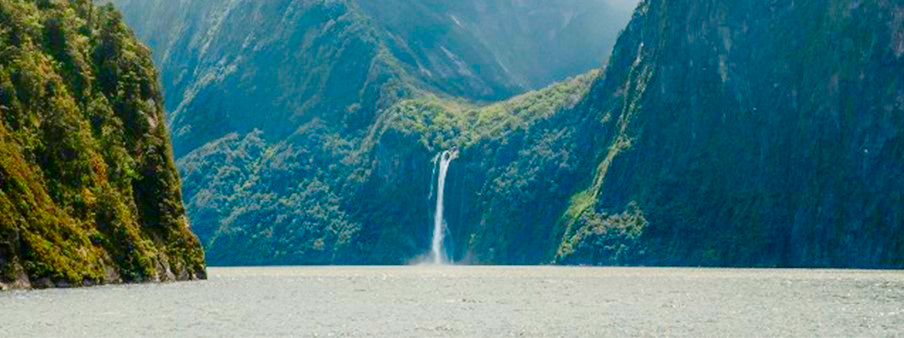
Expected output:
(491, 50)
(720, 133)
(284, 63)
(89, 192)
(749, 133)
(284, 112)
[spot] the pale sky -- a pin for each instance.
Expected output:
(629, 5)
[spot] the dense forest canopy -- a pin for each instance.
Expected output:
(89, 192)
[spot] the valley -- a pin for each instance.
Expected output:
(715, 134)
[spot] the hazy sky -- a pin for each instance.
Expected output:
(626, 4)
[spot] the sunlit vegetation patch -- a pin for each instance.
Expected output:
(605, 239)
(88, 189)
(444, 123)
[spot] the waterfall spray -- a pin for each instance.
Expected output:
(439, 224)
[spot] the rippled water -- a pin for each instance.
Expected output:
(473, 301)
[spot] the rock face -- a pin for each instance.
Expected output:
(89, 193)
(749, 133)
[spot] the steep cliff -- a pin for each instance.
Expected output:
(749, 133)
(88, 188)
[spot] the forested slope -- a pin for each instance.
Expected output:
(89, 192)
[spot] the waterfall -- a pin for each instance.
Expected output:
(433, 175)
(439, 224)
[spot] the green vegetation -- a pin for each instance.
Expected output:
(309, 199)
(88, 188)
(606, 239)
(516, 154)
(442, 124)
(638, 76)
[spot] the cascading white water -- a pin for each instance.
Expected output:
(433, 175)
(439, 224)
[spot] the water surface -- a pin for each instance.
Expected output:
(473, 301)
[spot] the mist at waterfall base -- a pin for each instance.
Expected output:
(437, 254)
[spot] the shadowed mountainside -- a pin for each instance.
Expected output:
(747, 133)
